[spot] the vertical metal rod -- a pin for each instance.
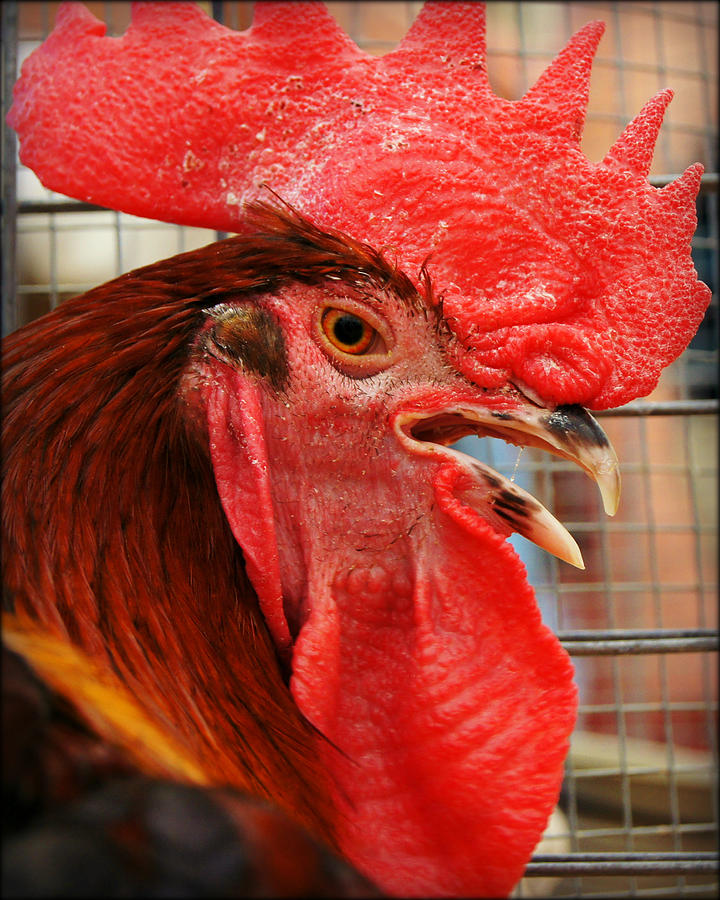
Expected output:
(522, 48)
(704, 68)
(355, 23)
(663, 79)
(620, 716)
(217, 9)
(710, 724)
(119, 265)
(662, 660)
(710, 153)
(53, 241)
(9, 191)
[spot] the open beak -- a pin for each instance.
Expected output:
(566, 431)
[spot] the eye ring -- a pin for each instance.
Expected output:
(348, 332)
(355, 337)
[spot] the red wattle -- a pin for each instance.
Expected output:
(450, 703)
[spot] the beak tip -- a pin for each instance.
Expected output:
(610, 493)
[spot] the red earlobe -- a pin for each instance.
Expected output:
(239, 457)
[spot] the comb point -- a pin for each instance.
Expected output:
(288, 21)
(303, 32)
(683, 191)
(565, 84)
(635, 147)
(76, 17)
(448, 31)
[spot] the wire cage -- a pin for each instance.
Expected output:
(638, 812)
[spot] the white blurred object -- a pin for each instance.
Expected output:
(555, 840)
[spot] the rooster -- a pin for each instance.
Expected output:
(241, 556)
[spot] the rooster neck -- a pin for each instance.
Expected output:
(114, 538)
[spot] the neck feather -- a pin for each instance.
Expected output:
(115, 540)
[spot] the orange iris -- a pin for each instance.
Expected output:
(347, 332)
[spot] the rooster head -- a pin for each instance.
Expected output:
(443, 262)
(379, 557)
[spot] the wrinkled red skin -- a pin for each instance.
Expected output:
(571, 278)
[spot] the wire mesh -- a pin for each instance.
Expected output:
(639, 812)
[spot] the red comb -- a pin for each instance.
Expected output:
(570, 278)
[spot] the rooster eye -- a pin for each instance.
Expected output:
(348, 332)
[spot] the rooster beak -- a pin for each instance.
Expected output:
(566, 431)
(572, 433)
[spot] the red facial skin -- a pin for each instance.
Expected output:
(417, 646)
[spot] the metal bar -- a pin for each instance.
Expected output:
(620, 770)
(625, 634)
(217, 8)
(706, 828)
(625, 586)
(623, 648)
(662, 408)
(621, 642)
(58, 206)
(630, 856)
(9, 189)
(648, 706)
(623, 864)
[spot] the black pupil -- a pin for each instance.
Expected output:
(349, 330)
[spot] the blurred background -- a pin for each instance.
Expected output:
(641, 620)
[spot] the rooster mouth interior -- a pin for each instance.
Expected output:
(569, 432)
(444, 429)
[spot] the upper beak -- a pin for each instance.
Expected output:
(566, 431)
(570, 432)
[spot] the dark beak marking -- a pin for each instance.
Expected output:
(574, 425)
